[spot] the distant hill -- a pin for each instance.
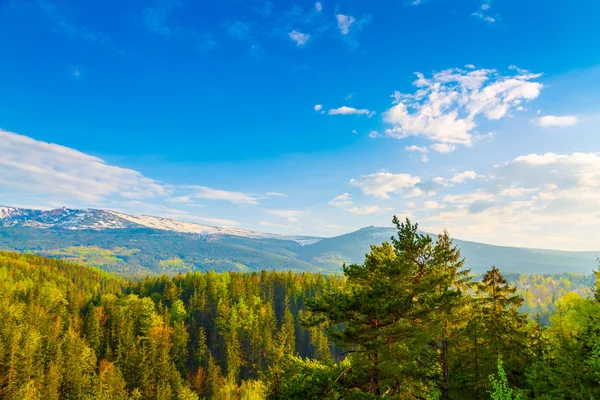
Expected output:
(135, 245)
(352, 247)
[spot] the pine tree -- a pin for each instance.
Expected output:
(387, 314)
(496, 327)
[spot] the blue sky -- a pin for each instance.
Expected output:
(309, 118)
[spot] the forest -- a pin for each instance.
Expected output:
(410, 322)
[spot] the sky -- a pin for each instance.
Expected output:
(309, 118)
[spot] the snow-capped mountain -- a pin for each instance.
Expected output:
(76, 219)
(73, 234)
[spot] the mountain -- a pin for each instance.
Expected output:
(106, 219)
(129, 244)
(352, 247)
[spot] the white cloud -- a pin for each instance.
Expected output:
(462, 177)
(344, 23)
(53, 171)
(468, 198)
(204, 192)
(180, 199)
(424, 158)
(382, 184)
(445, 107)
(318, 107)
(443, 148)
(554, 120)
(411, 205)
(535, 200)
(432, 205)
(421, 149)
(290, 215)
(344, 110)
(484, 17)
(439, 180)
(364, 210)
(483, 12)
(516, 191)
(274, 225)
(318, 6)
(355, 131)
(276, 194)
(342, 200)
(299, 37)
(373, 134)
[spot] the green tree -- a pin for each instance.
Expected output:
(387, 314)
(500, 387)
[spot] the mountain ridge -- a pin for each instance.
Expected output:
(121, 242)
(68, 218)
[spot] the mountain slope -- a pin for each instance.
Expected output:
(66, 218)
(143, 251)
(144, 244)
(351, 248)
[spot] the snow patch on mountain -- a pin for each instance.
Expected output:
(207, 230)
(74, 219)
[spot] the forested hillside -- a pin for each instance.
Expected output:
(138, 250)
(407, 323)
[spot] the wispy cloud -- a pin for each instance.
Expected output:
(344, 23)
(483, 12)
(343, 200)
(413, 148)
(366, 210)
(159, 19)
(349, 26)
(276, 194)
(239, 29)
(275, 225)
(345, 110)
(432, 205)
(290, 215)
(65, 24)
(299, 37)
(382, 184)
(203, 192)
(460, 177)
(31, 166)
(548, 121)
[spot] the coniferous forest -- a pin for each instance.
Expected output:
(410, 322)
